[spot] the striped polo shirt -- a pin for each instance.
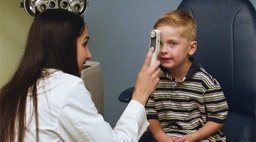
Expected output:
(184, 107)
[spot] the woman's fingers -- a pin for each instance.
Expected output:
(147, 79)
(148, 57)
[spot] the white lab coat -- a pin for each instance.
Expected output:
(67, 113)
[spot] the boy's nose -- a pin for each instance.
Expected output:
(163, 48)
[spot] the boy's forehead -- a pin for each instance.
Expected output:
(170, 29)
(178, 30)
(170, 33)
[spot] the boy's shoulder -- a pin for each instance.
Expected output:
(206, 77)
(197, 71)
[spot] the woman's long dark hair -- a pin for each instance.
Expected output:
(51, 43)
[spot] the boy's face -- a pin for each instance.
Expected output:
(175, 49)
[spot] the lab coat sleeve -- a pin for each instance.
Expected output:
(80, 121)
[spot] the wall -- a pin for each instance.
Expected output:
(253, 2)
(14, 26)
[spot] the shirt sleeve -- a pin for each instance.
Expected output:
(215, 102)
(79, 120)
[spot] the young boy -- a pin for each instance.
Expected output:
(188, 104)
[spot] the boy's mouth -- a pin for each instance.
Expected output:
(165, 59)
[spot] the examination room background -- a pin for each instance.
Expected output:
(119, 39)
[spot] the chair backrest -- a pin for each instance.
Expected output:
(227, 47)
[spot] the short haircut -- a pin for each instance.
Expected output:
(181, 20)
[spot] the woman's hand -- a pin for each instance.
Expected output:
(147, 79)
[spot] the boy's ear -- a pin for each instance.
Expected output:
(192, 48)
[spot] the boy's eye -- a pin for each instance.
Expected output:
(172, 43)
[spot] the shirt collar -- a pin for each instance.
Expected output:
(194, 68)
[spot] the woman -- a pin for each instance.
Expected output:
(46, 100)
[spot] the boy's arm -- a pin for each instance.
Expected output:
(216, 113)
(158, 133)
(207, 130)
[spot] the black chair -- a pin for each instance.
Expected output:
(226, 48)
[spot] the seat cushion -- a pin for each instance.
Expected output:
(242, 123)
